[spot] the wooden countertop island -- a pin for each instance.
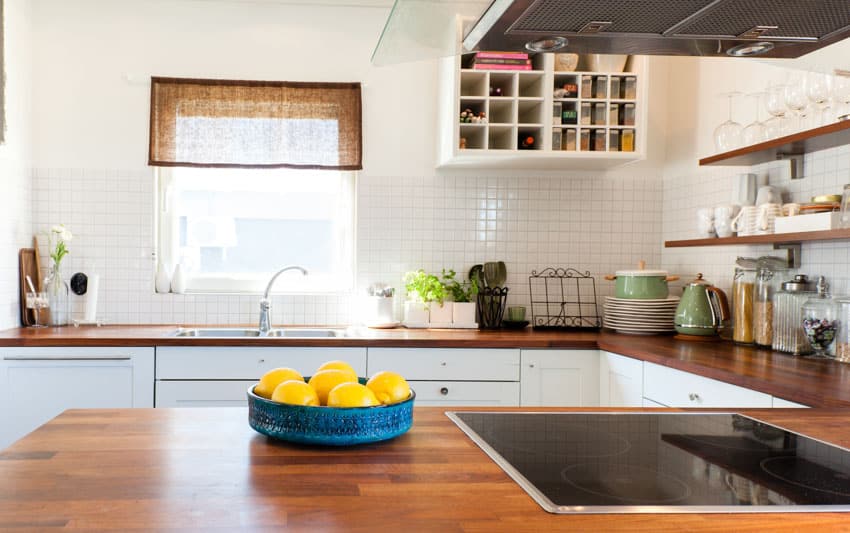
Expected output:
(206, 469)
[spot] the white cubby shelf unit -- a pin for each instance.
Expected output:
(605, 114)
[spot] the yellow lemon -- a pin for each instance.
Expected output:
(338, 365)
(295, 393)
(352, 395)
(325, 380)
(389, 387)
(273, 378)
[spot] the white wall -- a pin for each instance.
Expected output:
(15, 157)
(91, 125)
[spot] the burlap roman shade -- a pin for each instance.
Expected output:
(255, 124)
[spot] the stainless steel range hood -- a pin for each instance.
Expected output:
(762, 28)
(776, 28)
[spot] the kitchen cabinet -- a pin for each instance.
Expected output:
(37, 384)
(620, 380)
(201, 376)
(605, 125)
(563, 378)
(675, 388)
(454, 376)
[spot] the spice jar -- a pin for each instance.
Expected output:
(842, 346)
(788, 333)
(767, 283)
(743, 292)
(820, 319)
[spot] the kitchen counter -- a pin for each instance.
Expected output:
(206, 469)
(813, 382)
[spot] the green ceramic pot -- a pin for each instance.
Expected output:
(641, 284)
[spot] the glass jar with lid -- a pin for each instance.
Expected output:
(743, 294)
(842, 345)
(766, 285)
(788, 333)
(820, 319)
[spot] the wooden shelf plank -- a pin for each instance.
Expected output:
(773, 238)
(829, 136)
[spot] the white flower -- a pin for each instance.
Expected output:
(62, 233)
(67, 235)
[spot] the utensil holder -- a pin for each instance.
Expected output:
(491, 307)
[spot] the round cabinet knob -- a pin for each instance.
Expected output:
(531, 365)
(444, 391)
(694, 397)
(443, 363)
(262, 361)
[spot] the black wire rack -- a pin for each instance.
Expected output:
(564, 299)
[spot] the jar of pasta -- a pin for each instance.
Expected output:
(767, 283)
(743, 301)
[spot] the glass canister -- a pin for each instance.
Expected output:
(767, 283)
(820, 319)
(788, 333)
(842, 345)
(743, 293)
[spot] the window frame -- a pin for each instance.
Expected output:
(166, 250)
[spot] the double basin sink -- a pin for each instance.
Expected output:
(289, 333)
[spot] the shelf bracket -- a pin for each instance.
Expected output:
(795, 163)
(794, 251)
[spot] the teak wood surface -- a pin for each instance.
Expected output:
(812, 382)
(207, 470)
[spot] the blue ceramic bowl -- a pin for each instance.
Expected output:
(331, 426)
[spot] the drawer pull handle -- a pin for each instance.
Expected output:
(262, 361)
(531, 365)
(443, 363)
(694, 397)
(66, 358)
(444, 391)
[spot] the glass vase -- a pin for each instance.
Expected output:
(57, 297)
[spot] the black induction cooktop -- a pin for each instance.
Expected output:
(662, 462)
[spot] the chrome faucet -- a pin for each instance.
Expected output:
(266, 304)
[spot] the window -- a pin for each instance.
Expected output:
(231, 229)
(259, 176)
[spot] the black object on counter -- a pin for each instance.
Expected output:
(491, 307)
(79, 283)
(563, 298)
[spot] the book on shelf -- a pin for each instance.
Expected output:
(480, 66)
(501, 61)
(501, 55)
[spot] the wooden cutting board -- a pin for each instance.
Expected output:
(28, 266)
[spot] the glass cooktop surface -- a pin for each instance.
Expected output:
(661, 462)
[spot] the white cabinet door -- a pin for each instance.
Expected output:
(466, 393)
(620, 381)
(202, 393)
(560, 378)
(675, 388)
(779, 402)
(248, 363)
(36, 384)
(448, 364)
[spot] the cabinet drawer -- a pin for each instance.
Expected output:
(202, 393)
(447, 363)
(199, 362)
(465, 393)
(675, 388)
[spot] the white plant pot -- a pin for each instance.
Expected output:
(463, 312)
(416, 313)
(440, 314)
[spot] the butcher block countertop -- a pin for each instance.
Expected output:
(207, 470)
(812, 382)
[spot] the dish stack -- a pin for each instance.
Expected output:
(640, 317)
(642, 305)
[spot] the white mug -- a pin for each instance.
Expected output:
(705, 222)
(745, 223)
(768, 195)
(744, 189)
(766, 220)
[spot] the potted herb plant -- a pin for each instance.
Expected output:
(426, 299)
(464, 296)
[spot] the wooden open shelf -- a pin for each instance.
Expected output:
(773, 238)
(821, 138)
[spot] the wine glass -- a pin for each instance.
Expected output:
(727, 136)
(755, 132)
(818, 89)
(841, 96)
(778, 125)
(796, 100)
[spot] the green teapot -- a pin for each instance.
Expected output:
(702, 309)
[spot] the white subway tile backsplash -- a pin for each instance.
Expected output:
(596, 223)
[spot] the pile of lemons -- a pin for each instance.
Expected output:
(334, 384)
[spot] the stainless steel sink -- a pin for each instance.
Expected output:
(289, 333)
(217, 332)
(307, 333)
